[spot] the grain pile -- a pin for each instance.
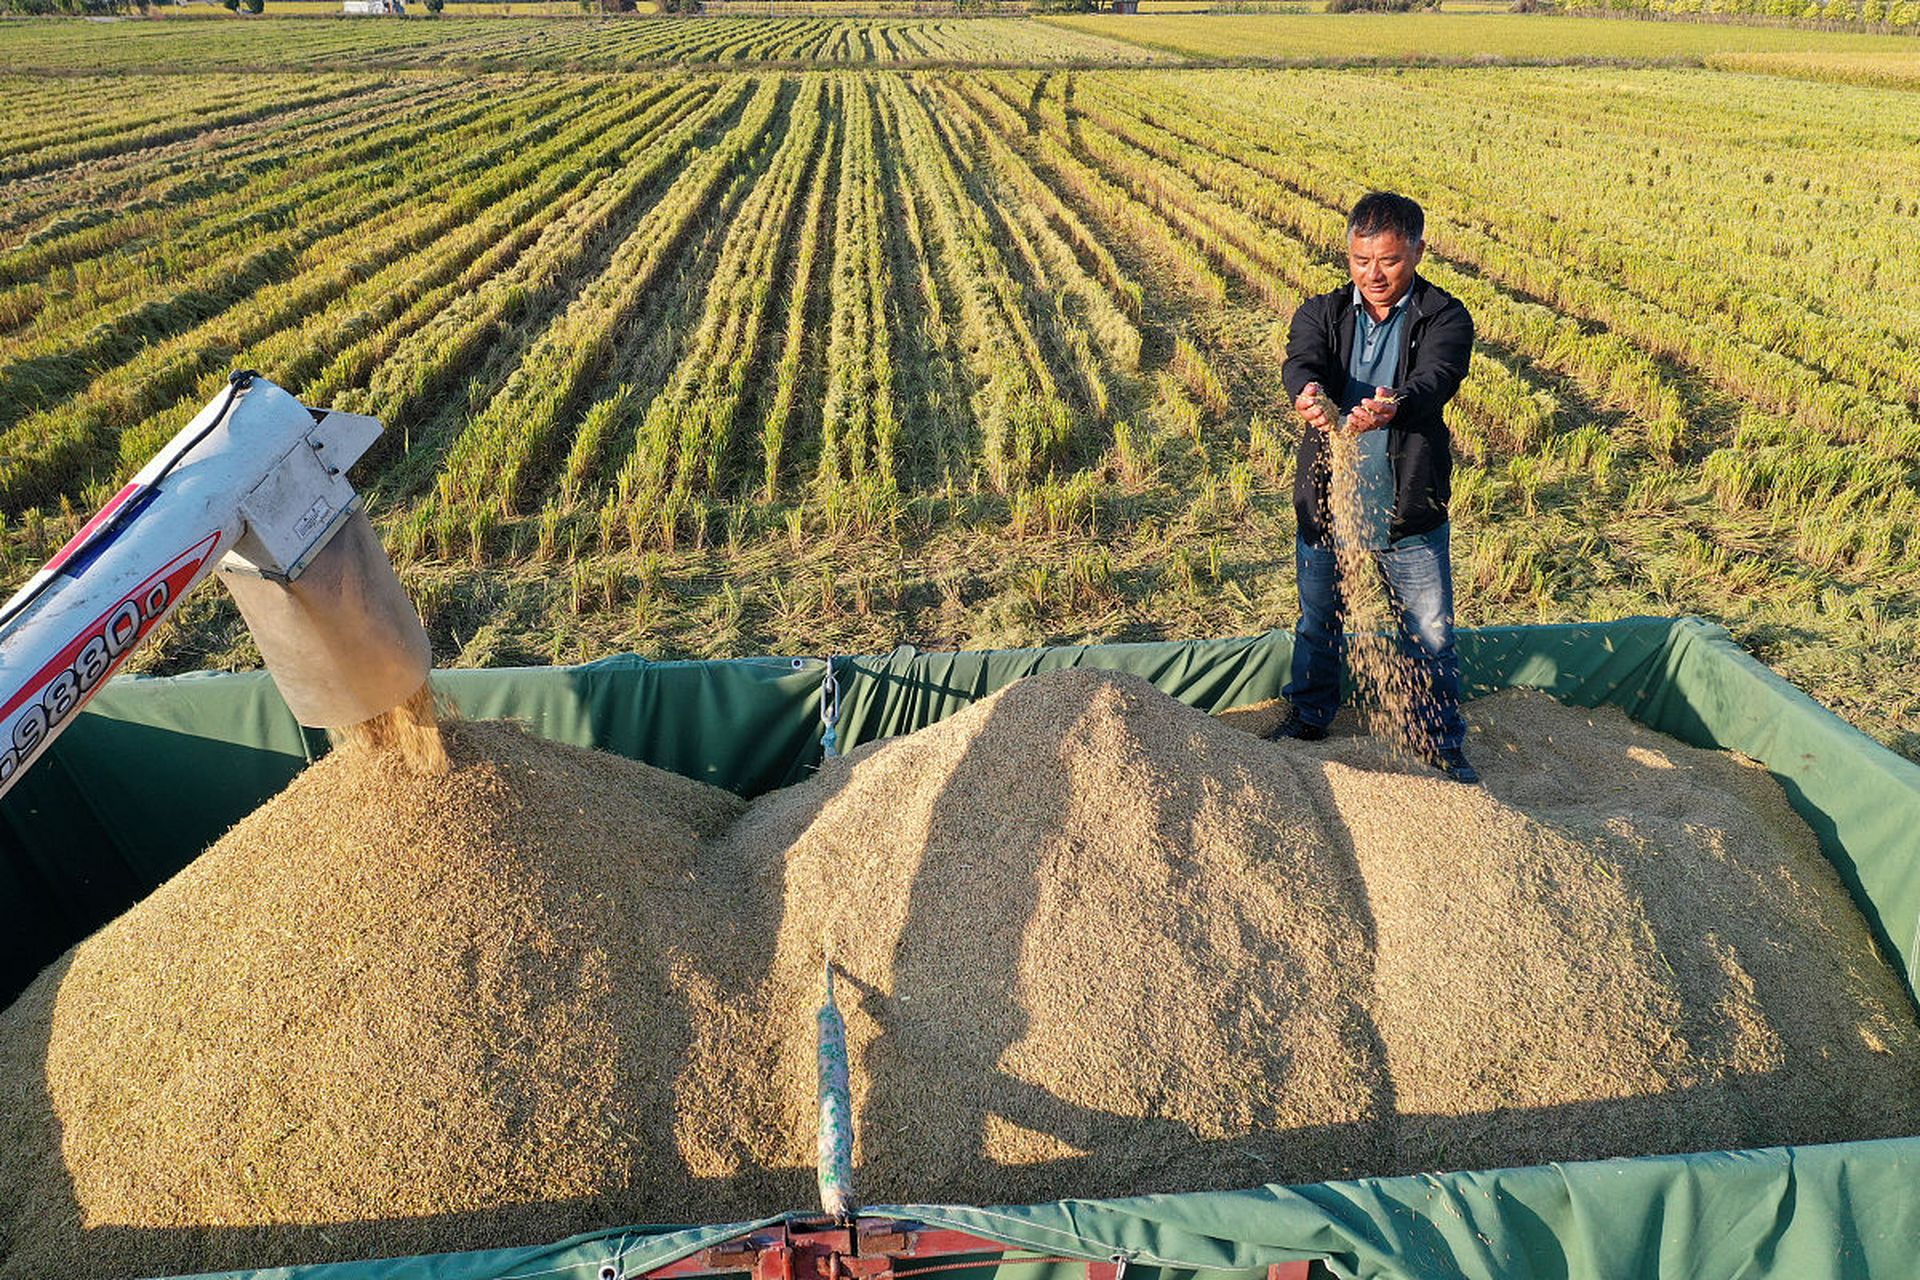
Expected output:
(388, 1012)
(1098, 945)
(1621, 945)
(1109, 945)
(1091, 943)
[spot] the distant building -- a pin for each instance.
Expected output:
(373, 8)
(1126, 6)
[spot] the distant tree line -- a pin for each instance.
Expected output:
(1897, 14)
(110, 8)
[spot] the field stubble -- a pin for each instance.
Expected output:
(716, 363)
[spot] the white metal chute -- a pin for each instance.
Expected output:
(342, 640)
(255, 486)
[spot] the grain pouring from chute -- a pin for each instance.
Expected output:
(253, 489)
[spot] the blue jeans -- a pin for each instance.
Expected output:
(1419, 579)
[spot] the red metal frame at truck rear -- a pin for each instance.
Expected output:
(873, 1249)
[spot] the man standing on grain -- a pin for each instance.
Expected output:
(1389, 350)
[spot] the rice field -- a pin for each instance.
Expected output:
(719, 360)
(547, 44)
(1897, 68)
(332, 9)
(583, 43)
(1485, 37)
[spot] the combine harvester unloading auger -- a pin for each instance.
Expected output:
(255, 490)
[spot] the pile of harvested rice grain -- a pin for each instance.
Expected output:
(1092, 943)
(1108, 945)
(387, 1013)
(1099, 946)
(1629, 946)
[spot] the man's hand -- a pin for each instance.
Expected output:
(1374, 412)
(1313, 406)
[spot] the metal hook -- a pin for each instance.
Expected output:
(830, 710)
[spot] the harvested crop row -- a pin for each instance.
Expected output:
(1025, 421)
(147, 398)
(687, 431)
(491, 464)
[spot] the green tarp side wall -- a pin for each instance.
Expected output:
(1847, 1211)
(628, 1250)
(1582, 663)
(748, 724)
(1850, 1211)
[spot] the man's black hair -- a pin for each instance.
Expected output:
(1383, 211)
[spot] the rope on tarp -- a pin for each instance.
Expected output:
(830, 710)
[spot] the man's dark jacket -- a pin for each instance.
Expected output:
(1436, 339)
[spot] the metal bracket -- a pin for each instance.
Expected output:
(866, 1249)
(870, 1249)
(301, 502)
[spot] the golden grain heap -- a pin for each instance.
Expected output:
(388, 1012)
(1092, 943)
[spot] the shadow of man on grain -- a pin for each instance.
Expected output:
(939, 1085)
(973, 895)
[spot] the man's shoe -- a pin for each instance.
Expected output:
(1294, 726)
(1453, 762)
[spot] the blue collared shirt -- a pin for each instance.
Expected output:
(1373, 363)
